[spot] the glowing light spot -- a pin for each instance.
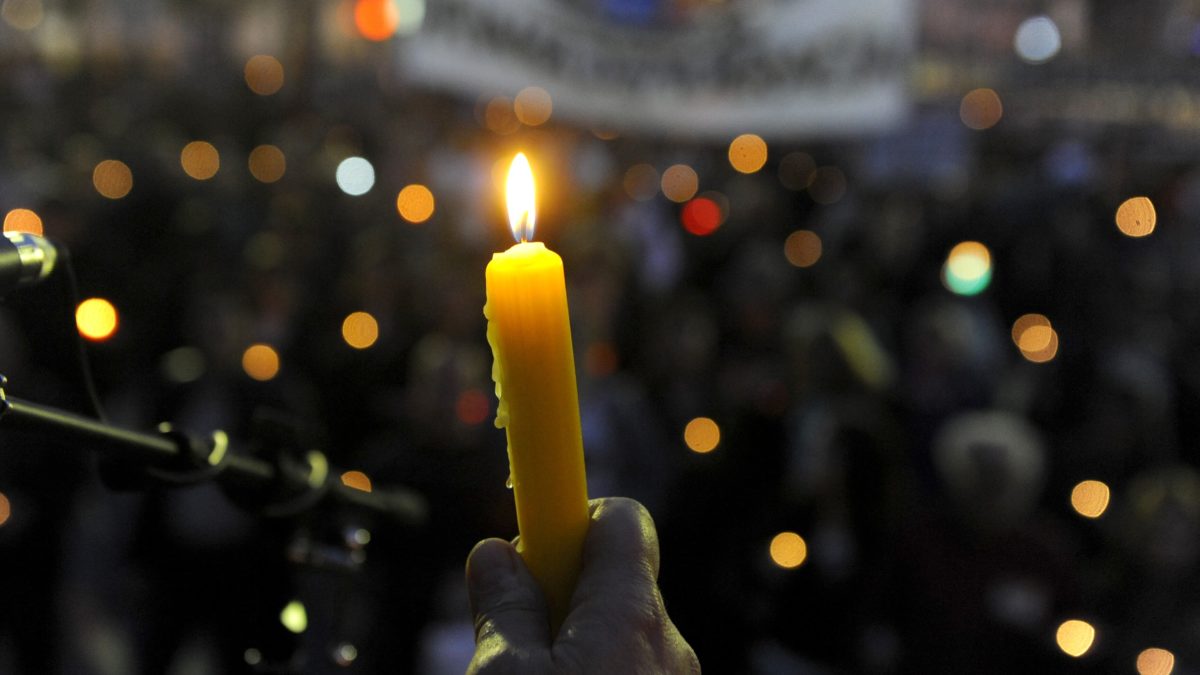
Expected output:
(294, 617)
(23, 220)
(345, 654)
(1022, 325)
(1155, 661)
(24, 15)
(357, 480)
(264, 74)
(1075, 637)
(796, 171)
(376, 20)
(680, 183)
(788, 550)
(260, 362)
(1045, 354)
(499, 116)
(533, 106)
(412, 16)
(96, 319)
(267, 163)
(981, 109)
(360, 330)
(641, 182)
(701, 216)
(252, 656)
(1090, 498)
(183, 365)
(521, 198)
(748, 153)
(415, 203)
(355, 176)
(1136, 217)
(5, 509)
(828, 185)
(472, 407)
(702, 435)
(1037, 39)
(968, 268)
(200, 160)
(600, 359)
(112, 178)
(802, 248)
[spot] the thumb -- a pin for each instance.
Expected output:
(509, 609)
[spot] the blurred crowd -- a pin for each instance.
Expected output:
(861, 402)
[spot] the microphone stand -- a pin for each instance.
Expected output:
(286, 486)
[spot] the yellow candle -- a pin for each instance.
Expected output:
(534, 370)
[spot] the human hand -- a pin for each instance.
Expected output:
(616, 624)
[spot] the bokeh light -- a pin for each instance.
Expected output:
(360, 330)
(1136, 217)
(96, 319)
(748, 153)
(183, 365)
(376, 20)
(23, 15)
(356, 480)
(827, 185)
(260, 362)
(680, 183)
(472, 407)
(1155, 661)
(1023, 324)
(112, 178)
(1037, 39)
(500, 117)
(1090, 498)
(802, 248)
(415, 203)
(1075, 637)
(641, 182)
(702, 435)
(412, 16)
(981, 109)
(294, 617)
(533, 106)
(267, 163)
(200, 160)
(701, 216)
(788, 550)
(1044, 354)
(968, 268)
(264, 74)
(23, 220)
(796, 171)
(355, 176)
(5, 509)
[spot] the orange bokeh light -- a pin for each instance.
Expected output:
(376, 20)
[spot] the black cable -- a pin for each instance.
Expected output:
(85, 366)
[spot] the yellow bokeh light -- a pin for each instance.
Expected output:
(641, 182)
(969, 260)
(1090, 498)
(680, 183)
(357, 480)
(533, 106)
(802, 248)
(360, 330)
(500, 117)
(1023, 324)
(1136, 217)
(24, 15)
(200, 160)
(702, 435)
(112, 178)
(981, 109)
(5, 509)
(264, 74)
(1045, 354)
(788, 550)
(23, 220)
(267, 163)
(260, 362)
(1035, 338)
(1155, 661)
(748, 153)
(96, 319)
(294, 617)
(415, 203)
(1075, 637)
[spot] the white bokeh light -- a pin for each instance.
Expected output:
(355, 176)
(1037, 39)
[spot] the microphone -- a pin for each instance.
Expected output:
(25, 260)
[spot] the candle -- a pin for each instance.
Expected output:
(534, 370)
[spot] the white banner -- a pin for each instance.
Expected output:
(779, 68)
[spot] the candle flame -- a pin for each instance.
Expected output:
(522, 209)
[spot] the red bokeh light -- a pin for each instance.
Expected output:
(701, 216)
(472, 407)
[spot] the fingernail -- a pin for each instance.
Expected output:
(492, 567)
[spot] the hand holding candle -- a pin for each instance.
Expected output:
(534, 370)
